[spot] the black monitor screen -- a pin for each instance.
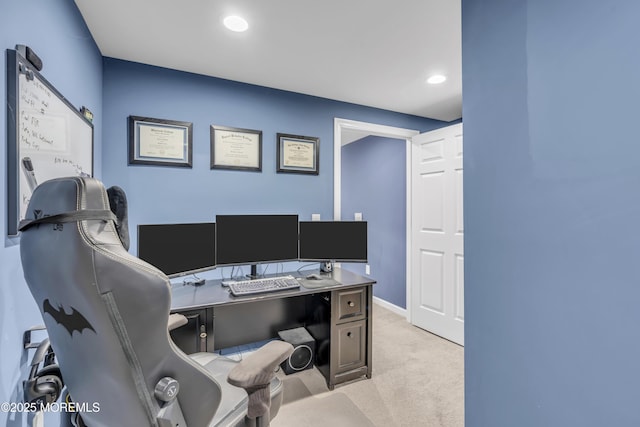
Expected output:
(178, 249)
(333, 240)
(253, 239)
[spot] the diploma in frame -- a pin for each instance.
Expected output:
(160, 142)
(297, 154)
(234, 148)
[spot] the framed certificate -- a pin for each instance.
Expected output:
(234, 148)
(160, 142)
(297, 154)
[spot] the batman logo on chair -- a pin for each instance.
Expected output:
(72, 322)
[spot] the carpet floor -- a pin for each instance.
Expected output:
(417, 380)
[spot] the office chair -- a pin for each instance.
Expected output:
(106, 314)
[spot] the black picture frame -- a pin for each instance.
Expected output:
(160, 142)
(297, 154)
(236, 148)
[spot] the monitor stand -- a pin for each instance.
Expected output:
(254, 271)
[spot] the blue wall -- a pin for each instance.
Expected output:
(72, 63)
(552, 237)
(381, 197)
(163, 194)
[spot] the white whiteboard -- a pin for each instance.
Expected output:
(45, 134)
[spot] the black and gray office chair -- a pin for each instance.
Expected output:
(107, 315)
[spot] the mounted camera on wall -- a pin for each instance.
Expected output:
(30, 56)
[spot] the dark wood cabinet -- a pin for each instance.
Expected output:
(351, 335)
(337, 316)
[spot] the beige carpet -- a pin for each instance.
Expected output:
(417, 381)
(312, 411)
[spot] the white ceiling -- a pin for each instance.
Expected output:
(377, 53)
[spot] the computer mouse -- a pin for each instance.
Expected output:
(314, 277)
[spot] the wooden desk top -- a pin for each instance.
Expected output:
(212, 293)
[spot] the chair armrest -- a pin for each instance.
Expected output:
(176, 320)
(256, 371)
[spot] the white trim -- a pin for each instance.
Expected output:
(377, 130)
(409, 239)
(367, 129)
(391, 307)
(337, 168)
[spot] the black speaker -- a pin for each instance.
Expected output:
(304, 349)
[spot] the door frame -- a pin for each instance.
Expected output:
(385, 131)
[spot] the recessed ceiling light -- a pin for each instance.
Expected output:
(436, 79)
(236, 23)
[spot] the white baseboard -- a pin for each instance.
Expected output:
(391, 307)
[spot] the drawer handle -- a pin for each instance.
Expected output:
(351, 304)
(348, 334)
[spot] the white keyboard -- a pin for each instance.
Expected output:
(258, 286)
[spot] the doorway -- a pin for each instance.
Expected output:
(347, 131)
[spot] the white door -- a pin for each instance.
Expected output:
(437, 279)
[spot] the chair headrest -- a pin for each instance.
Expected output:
(65, 200)
(118, 204)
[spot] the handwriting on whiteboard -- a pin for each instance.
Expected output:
(77, 167)
(41, 128)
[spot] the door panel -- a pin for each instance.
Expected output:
(432, 186)
(432, 275)
(459, 288)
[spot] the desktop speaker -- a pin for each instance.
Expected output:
(304, 349)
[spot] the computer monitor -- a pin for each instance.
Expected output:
(178, 249)
(333, 241)
(255, 239)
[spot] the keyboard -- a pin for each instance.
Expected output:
(258, 286)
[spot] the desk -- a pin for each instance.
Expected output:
(336, 312)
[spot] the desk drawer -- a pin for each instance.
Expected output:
(351, 346)
(351, 304)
